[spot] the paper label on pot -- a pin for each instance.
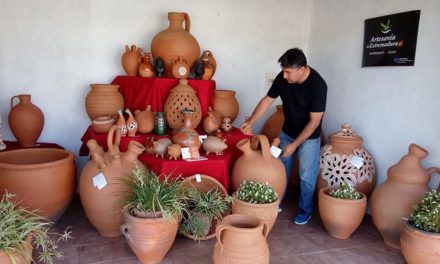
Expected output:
(198, 178)
(275, 151)
(357, 161)
(186, 154)
(99, 181)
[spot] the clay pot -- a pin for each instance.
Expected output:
(226, 104)
(103, 100)
(215, 145)
(175, 41)
(336, 162)
(102, 206)
(180, 68)
(103, 124)
(160, 147)
(407, 183)
(174, 151)
(187, 136)
(130, 60)
(241, 239)
(18, 259)
(258, 165)
(150, 239)
(25, 120)
(42, 178)
(208, 56)
(274, 124)
(267, 212)
(131, 123)
(419, 246)
(212, 122)
(122, 125)
(145, 120)
(182, 97)
(340, 217)
(146, 69)
(208, 71)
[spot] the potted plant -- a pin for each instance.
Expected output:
(341, 209)
(420, 234)
(256, 199)
(152, 209)
(22, 230)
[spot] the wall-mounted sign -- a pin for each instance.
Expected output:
(391, 40)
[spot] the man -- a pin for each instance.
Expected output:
(303, 93)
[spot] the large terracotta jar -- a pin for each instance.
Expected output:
(258, 165)
(241, 239)
(131, 60)
(42, 178)
(103, 100)
(419, 246)
(338, 162)
(101, 183)
(175, 41)
(187, 136)
(267, 212)
(25, 120)
(273, 125)
(226, 104)
(406, 184)
(181, 97)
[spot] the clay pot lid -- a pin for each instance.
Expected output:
(345, 133)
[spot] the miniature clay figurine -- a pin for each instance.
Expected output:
(161, 146)
(159, 67)
(199, 69)
(174, 151)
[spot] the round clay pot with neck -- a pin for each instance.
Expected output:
(103, 100)
(226, 104)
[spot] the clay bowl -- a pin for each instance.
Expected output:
(103, 124)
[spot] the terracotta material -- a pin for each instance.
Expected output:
(175, 41)
(341, 217)
(419, 246)
(212, 121)
(336, 162)
(214, 145)
(226, 124)
(146, 69)
(241, 239)
(132, 125)
(130, 60)
(182, 97)
(145, 120)
(160, 147)
(25, 120)
(266, 212)
(43, 179)
(149, 145)
(226, 104)
(187, 136)
(122, 125)
(2, 144)
(274, 123)
(18, 259)
(103, 100)
(258, 165)
(406, 184)
(103, 124)
(174, 151)
(208, 70)
(210, 57)
(102, 206)
(180, 68)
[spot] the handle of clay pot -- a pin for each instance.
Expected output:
(124, 230)
(187, 22)
(218, 235)
(112, 147)
(434, 170)
(12, 100)
(265, 147)
(265, 229)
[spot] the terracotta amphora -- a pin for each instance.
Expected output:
(103, 100)
(101, 183)
(146, 69)
(145, 120)
(338, 162)
(268, 212)
(187, 136)
(25, 120)
(207, 54)
(226, 104)
(175, 41)
(212, 121)
(241, 239)
(180, 68)
(407, 183)
(258, 165)
(131, 123)
(130, 60)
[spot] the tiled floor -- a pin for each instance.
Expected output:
(288, 243)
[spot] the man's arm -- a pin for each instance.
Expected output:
(259, 111)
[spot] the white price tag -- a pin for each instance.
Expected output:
(357, 161)
(185, 153)
(198, 178)
(275, 151)
(202, 137)
(99, 181)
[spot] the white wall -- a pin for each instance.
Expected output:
(390, 107)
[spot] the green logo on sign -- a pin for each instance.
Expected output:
(386, 28)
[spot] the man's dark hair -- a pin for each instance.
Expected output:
(293, 58)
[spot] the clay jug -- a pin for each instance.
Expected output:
(146, 69)
(406, 184)
(212, 122)
(145, 120)
(241, 239)
(273, 124)
(187, 136)
(103, 100)
(131, 124)
(130, 60)
(122, 125)
(101, 183)
(208, 71)
(258, 165)
(182, 97)
(226, 104)
(25, 120)
(180, 68)
(208, 55)
(175, 41)
(337, 162)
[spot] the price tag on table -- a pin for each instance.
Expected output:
(357, 161)
(202, 137)
(99, 181)
(198, 178)
(186, 154)
(275, 151)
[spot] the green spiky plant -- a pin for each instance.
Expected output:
(19, 227)
(256, 192)
(426, 213)
(345, 191)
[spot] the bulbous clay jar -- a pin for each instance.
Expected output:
(130, 60)
(274, 124)
(212, 121)
(336, 167)
(146, 69)
(103, 100)
(145, 120)
(226, 104)
(180, 68)
(25, 120)
(187, 136)
(175, 41)
(258, 165)
(406, 184)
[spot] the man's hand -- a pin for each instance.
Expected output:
(289, 150)
(246, 128)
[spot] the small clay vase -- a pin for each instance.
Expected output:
(146, 69)
(122, 126)
(130, 60)
(210, 57)
(208, 71)
(187, 136)
(212, 122)
(180, 68)
(145, 120)
(131, 124)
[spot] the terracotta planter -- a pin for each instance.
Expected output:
(150, 239)
(241, 239)
(18, 259)
(407, 183)
(130, 60)
(103, 124)
(103, 100)
(267, 212)
(341, 217)
(336, 162)
(419, 246)
(226, 104)
(43, 179)
(25, 120)
(175, 41)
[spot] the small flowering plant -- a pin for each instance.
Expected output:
(426, 213)
(345, 191)
(256, 192)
